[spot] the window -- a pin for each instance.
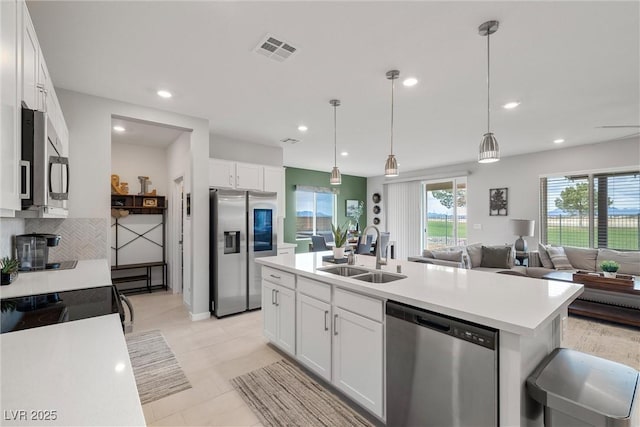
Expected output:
(445, 216)
(315, 212)
(598, 210)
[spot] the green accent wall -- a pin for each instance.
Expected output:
(352, 188)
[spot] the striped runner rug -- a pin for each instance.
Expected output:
(154, 366)
(282, 395)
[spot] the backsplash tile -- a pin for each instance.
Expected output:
(82, 238)
(9, 227)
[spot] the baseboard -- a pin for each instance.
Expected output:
(199, 316)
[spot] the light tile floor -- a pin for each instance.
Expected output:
(213, 351)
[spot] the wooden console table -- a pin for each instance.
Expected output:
(598, 310)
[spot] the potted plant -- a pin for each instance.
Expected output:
(609, 268)
(9, 270)
(340, 239)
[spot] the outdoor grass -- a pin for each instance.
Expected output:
(618, 238)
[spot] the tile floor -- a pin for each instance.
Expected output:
(213, 351)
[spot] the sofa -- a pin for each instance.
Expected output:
(547, 259)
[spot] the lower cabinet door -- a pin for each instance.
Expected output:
(357, 359)
(314, 335)
(286, 319)
(269, 311)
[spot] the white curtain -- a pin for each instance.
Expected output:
(403, 209)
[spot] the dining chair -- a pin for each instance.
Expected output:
(365, 248)
(319, 244)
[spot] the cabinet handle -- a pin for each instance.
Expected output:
(335, 324)
(273, 297)
(277, 303)
(326, 315)
(274, 276)
(230, 179)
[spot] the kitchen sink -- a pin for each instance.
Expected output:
(343, 270)
(379, 277)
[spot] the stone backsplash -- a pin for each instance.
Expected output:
(82, 238)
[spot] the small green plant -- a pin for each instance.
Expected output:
(609, 266)
(339, 235)
(9, 265)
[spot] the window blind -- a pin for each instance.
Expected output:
(403, 211)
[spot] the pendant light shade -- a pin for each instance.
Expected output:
(489, 149)
(391, 165)
(336, 177)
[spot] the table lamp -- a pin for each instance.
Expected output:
(522, 227)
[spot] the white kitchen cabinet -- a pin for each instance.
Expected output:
(10, 93)
(358, 369)
(44, 85)
(249, 177)
(30, 58)
(313, 322)
(241, 176)
(279, 315)
(274, 181)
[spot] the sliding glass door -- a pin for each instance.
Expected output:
(444, 213)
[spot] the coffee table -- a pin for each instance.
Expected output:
(598, 310)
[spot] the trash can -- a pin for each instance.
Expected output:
(578, 389)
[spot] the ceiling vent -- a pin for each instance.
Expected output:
(275, 48)
(290, 141)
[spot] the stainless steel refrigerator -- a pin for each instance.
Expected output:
(243, 228)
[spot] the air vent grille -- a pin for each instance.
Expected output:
(275, 48)
(290, 141)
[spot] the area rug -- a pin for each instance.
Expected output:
(155, 366)
(614, 342)
(282, 395)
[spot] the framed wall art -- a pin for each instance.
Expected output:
(498, 202)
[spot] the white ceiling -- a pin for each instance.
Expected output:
(139, 132)
(573, 65)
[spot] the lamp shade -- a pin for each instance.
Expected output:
(489, 149)
(522, 227)
(336, 178)
(391, 166)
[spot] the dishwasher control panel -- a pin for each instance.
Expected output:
(474, 337)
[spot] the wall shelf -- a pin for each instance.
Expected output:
(139, 205)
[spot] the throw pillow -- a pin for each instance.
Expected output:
(545, 259)
(475, 254)
(427, 253)
(559, 258)
(448, 255)
(496, 257)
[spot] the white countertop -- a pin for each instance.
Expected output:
(87, 274)
(285, 245)
(79, 369)
(520, 305)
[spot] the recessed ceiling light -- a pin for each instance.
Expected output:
(410, 81)
(119, 129)
(344, 153)
(511, 105)
(303, 128)
(164, 94)
(558, 141)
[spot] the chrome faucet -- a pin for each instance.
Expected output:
(379, 261)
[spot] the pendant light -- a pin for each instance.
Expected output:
(391, 166)
(336, 178)
(489, 149)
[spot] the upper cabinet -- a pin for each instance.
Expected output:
(247, 176)
(24, 82)
(10, 130)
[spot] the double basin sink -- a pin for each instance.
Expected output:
(362, 274)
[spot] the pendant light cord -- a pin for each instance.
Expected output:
(335, 138)
(488, 84)
(393, 80)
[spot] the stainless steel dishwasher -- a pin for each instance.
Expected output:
(441, 371)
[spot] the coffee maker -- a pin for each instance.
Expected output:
(32, 251)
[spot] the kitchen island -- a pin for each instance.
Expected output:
(527, 313)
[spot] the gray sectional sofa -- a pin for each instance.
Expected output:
(545, 260)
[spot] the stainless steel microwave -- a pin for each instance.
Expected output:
(44, 171)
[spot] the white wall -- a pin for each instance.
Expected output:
(129, 161)
(221, 147)
(521, 175)
(89, 121)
